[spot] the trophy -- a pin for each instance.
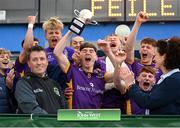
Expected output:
(122, 30)
(82, 18)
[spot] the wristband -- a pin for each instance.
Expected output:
(30, 25)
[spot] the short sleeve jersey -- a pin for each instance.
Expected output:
(88, 87)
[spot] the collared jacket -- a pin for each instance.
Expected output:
(39, 95)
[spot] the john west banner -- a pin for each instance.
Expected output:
(89, 115)
(53, 121)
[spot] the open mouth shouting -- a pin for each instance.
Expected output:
(144, 55)
(54, 40)
(112, 45)
(146, 86)
(88, 59)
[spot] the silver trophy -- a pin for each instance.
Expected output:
(82, 18)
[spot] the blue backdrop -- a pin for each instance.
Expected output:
(11, 35)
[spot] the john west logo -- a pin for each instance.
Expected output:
(89, 115)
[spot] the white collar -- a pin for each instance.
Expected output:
(163, 76)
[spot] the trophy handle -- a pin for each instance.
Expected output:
(76, 12)
(92, 22)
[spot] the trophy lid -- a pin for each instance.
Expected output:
(86, 14)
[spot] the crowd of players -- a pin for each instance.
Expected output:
(41, 81)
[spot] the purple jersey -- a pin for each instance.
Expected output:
(136, 67)
(100, 64)
(133, 108)
(88, 88)
(114, 99)
(21, 69)
(51, 58)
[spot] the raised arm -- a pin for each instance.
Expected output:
(130, 44)
(105, 47)
(58, 51)
(28, 39)
(117, 61)
(120, 56)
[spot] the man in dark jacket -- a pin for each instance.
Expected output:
(36, 93)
